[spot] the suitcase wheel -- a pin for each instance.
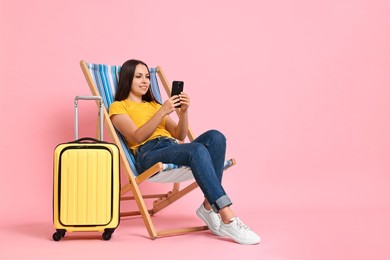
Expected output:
(58, 235)
(107, 233)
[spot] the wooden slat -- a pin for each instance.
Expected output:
(178, 231)
(148, 196)
(174, 196)
(150, 172)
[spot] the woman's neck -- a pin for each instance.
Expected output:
(137, 99)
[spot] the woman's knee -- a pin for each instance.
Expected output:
(216, 136)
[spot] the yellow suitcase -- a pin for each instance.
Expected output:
(86, 185)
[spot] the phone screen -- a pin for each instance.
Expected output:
(177, 88)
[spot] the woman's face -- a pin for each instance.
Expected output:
(141, 80)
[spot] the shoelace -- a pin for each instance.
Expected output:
(241, 225)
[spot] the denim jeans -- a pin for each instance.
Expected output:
(205, 156)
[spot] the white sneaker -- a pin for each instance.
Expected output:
(212, 219)
(239, 232)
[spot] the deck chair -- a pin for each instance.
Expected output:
(103, 81)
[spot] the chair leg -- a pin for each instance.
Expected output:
(144, 212)
(162, 201)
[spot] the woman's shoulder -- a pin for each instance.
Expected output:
(119, 107)
(118, 104)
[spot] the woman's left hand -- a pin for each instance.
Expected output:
(184, 101)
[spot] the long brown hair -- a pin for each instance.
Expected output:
(126, 76)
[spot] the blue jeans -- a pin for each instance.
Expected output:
(205, 156)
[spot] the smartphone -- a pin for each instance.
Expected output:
(177, 88)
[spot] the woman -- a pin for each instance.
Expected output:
(150, 132)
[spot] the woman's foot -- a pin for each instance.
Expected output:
(239, 232)
(212, 219)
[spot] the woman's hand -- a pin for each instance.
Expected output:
(184, 101)
(169, 105)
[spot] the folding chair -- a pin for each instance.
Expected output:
(103, 81)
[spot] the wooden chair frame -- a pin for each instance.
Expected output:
(161, 200)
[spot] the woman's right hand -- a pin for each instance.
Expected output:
(169, 105)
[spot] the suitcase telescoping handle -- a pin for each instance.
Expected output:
(76, 114)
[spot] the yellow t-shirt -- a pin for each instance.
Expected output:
(140, 113)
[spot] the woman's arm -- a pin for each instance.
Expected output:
(131, 132)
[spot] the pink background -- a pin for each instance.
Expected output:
(300, 88)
